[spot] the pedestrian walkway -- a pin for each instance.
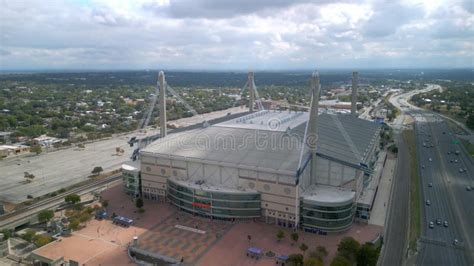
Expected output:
(379, 210)
(182, 236)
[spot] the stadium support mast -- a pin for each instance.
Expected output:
(355, 84)
(251, 83)
(162, 83)
(311, 136)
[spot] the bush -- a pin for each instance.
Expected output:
(105, 203)
(280, 235)
(74, 224)
(41, 240)
(72, 198)
(141, 210)
(28, 235)
(340, 261)
(97, 170)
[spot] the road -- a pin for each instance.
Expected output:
(21, 216)
(449, 199)
(397, 219)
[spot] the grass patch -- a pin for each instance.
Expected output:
(415, 197)
(469, 146)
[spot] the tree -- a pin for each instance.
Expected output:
(280, 235)
(74, 224)
(45, 215)
(312, 261)
(28, 235)
(303, 247)
(105, 203)
(36, 149)
(348, 248)
(72, 198)
(249, 237)
(294, 237)
(295, 260)
(6, 234)
(367, 255)
(320, 252)
(340, 261)
(81, 146)
(117, 150)
(97, 170)
(139, 203)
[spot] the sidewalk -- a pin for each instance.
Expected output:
(379, 210)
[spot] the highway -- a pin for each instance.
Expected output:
(449, 199)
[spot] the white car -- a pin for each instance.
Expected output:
(430, 159)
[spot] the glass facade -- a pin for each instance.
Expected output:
(214, 204)
(326, 218)
(131, 183)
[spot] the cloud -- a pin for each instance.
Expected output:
(388, 17)
(212, 34)
(212, 9)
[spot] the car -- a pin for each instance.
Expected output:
(431, 225)
(455, 242)
(455, 161)
(428, 202)
(451, 161)
(430, 159)
(461, 170)
(468, 188)
(438, 221)
(445, 224)
(430, 184)
(423, 166)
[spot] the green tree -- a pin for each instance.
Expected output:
(280, 235)
(294, 237)
(312, 261)
(348, 248)
(367, 255)
(340, 261)
(295, 260)
(6, 234)
(139, 203)
(303, 248)
(74, 224)
(28, 235)
(36, 149)
(320, 252)
(105, 203)
(72, 198)
(97, 170)
(45, 215)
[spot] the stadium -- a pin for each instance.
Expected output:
(290, 168)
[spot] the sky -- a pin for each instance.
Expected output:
(235, 35)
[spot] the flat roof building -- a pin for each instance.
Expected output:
(260, 165)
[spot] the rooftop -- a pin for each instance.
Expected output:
(328, 194)
(262, 144)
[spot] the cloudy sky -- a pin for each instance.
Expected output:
(233, 34)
